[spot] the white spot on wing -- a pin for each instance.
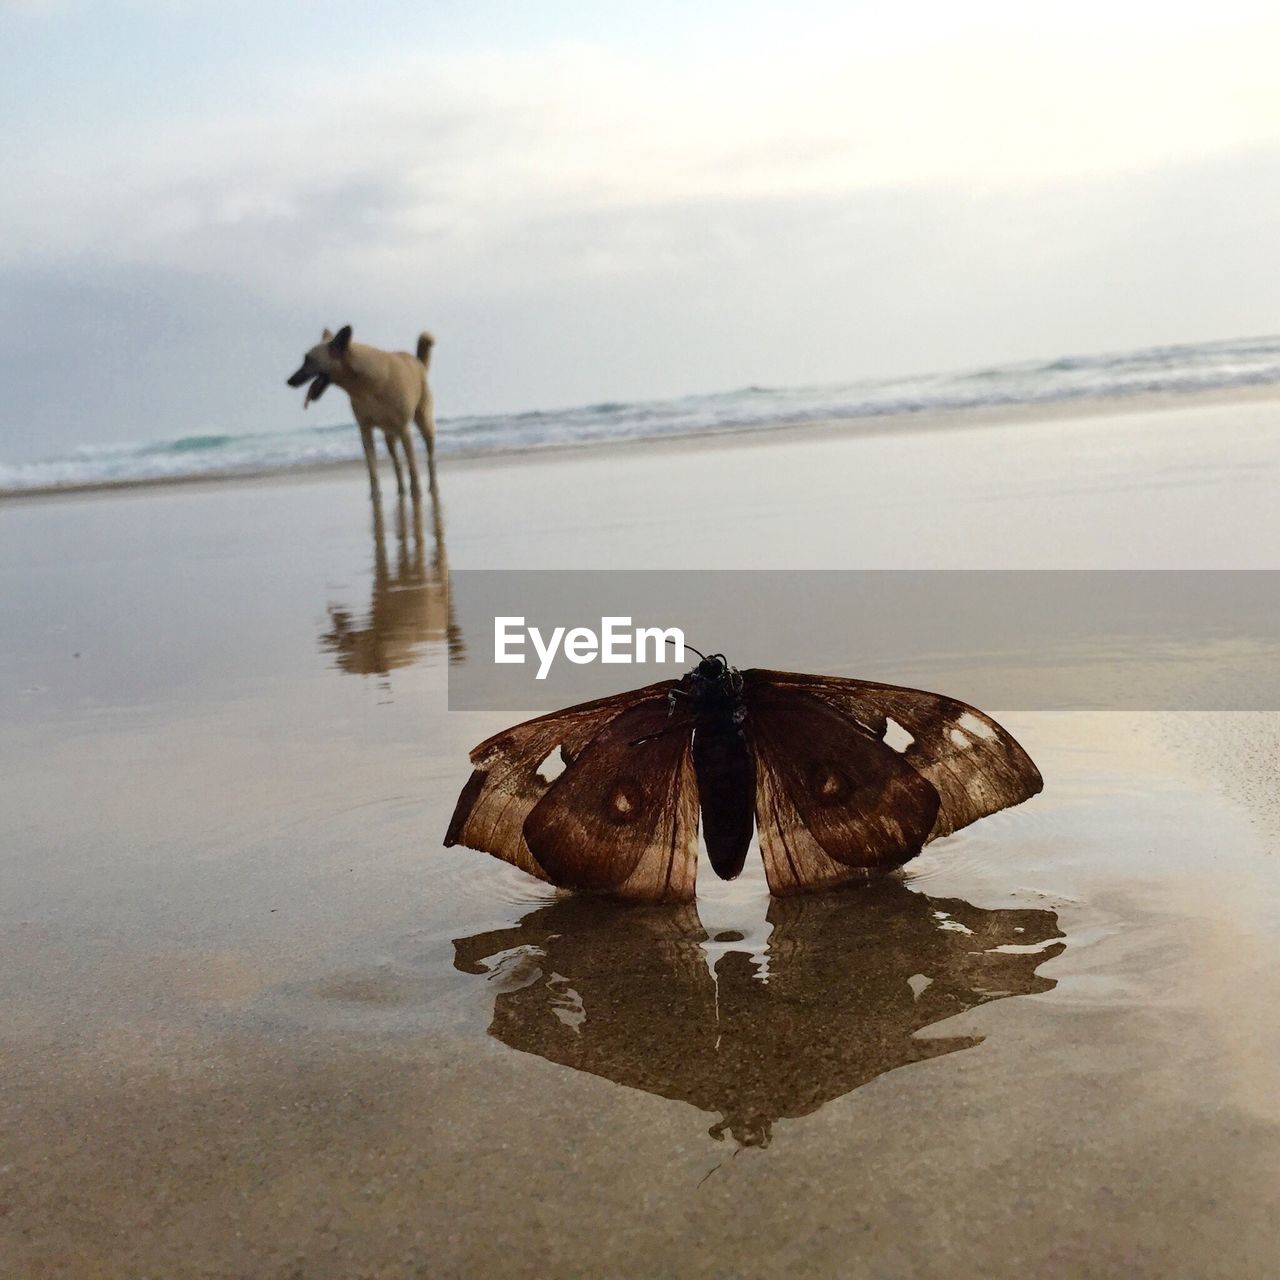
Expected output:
(552, 765)
(976, 726)
(918, 982)
(897, 737)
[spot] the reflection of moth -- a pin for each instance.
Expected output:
(624, 993)
(840, 778)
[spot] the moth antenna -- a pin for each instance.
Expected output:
(687, 645)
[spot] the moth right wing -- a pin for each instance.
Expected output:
(506, 783)
(976, 765)
(833, 802)
(622, 818)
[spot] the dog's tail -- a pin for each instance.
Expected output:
(425, 343)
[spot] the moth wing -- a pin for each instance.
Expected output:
(833, 803)
(622, 818)
(976, 765)
(506, 784)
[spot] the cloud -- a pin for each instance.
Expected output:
(467, 150)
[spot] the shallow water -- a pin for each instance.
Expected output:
(258, 1021)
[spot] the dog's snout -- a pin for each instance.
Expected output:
(303, 373)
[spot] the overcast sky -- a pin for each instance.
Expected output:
(589, 201)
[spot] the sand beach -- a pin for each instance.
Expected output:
(259, 1022)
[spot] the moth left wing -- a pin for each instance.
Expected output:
(506, 783)
(622, 818)
(833, 802)
(976, 766)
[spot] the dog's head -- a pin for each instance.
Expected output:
(322, 364)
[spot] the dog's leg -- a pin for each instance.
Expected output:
(406, 439)
(425, 417)
(395, 461)
(370, 461)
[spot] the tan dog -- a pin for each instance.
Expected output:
(388, 390)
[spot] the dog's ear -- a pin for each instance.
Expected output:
(339, 343)
(327, 336)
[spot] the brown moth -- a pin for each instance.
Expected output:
(803, 760)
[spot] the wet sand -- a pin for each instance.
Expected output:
(258, 1022)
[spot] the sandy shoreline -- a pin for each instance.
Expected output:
(833, 429)
(259, 1022)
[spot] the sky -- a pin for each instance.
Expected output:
(589, 201)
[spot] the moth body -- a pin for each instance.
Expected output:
(723, 762)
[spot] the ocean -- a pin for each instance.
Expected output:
(1171, 369)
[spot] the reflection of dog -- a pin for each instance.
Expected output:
(410, 608)
(388, 390)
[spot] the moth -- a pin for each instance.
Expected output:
(840, 778)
